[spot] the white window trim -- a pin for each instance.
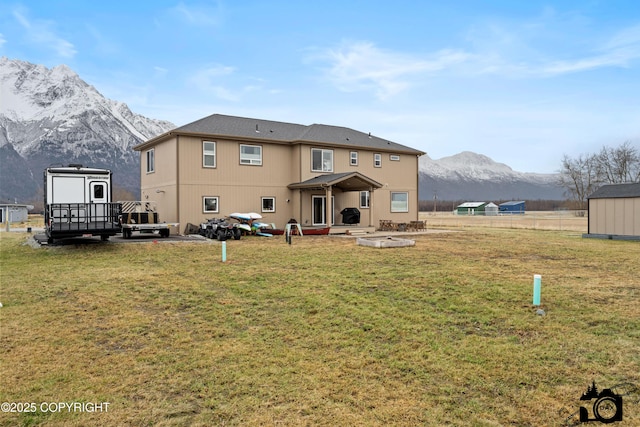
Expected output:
(209, 153)
(151, 153)
(391, 199)
(394, 157)
(251, 162)
(322, 151)
(352, 158)
(204, 204)
(262, 204)
(368, 200)
(377, 160)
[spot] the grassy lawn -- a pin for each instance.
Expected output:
(322, 332)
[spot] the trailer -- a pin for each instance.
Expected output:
(142, 216)
(77, 202)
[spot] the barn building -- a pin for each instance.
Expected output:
(471, 208)
(614, 212)
(512, 208)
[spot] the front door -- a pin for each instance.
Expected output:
(319, 209)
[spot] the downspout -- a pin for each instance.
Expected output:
(371, 206)
(417, 188)
(178, 180)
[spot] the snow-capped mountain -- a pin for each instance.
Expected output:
(475, 177)
(51, 116)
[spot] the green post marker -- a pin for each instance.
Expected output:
(537, 288)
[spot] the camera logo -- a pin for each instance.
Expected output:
(607, 407)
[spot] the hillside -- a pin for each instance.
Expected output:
(51, 116)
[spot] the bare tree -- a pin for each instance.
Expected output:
(583, 175)
(619, 165)
(579, 177)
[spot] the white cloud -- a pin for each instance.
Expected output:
(2, 40)
(199, 15)
(209, 80)
(363, 66)
(40, 33)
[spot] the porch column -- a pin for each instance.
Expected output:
(371, 207)
(328, 207)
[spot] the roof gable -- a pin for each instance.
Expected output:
(348, 181)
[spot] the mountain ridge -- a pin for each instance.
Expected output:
(472, 176)
(51, 116)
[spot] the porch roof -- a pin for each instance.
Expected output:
(346, 181)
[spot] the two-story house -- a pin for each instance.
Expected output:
(223, 164)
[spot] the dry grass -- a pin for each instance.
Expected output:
(547, 220)
(321, 332)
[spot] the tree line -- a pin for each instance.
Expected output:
(582, 175)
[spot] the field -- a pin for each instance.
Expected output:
(320, 332)
(542, 220)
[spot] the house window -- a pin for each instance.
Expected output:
(208, 154)
(321, 160)
(210, 204)
(353, 159)
(377, 160)
(394, 157)
(251, 155)
(268, 204)
(151, 161)
(399, 202)
(364, 199)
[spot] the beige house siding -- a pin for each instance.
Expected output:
(180, 180)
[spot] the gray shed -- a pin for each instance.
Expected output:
(14, 212)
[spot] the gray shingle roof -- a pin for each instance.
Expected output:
(614, 191)
(221, 125)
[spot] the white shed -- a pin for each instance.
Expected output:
(491, 209)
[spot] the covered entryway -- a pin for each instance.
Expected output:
(322, 205)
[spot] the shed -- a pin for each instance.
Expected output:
(471, 208)
(14, 212)
(491, 209)
(614, 212)
(512, 208)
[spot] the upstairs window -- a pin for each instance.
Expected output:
(377, 160)
(208, 154)
(321, 160)
(394, 157)
(251, 155)
(353, 158)
(151, 161)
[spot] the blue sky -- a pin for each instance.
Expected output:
(523, 82)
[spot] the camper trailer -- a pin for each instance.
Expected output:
(77, 202)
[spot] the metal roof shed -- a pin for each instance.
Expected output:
(614, 212)
(471, 208)
(513, 207)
